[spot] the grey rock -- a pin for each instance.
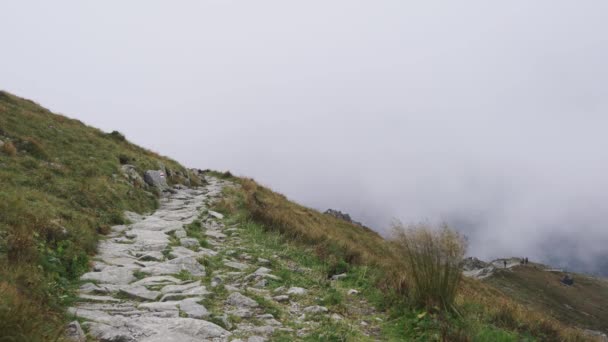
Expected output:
(315, 309)
(180, 288)
(298, 291)
(157, 179)
(74, 333)
(189, 242)
(193, 309)
(111, 275)
(352, 292)
(281, 298)
(160, 306)
(175, 266)
(180, 233)
(240, 300)
(130, 172)
(216, 215)
(157, 280)
(140, 292)
(338, 276)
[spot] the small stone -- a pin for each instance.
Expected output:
(262, 261)
(336, 317)
(74, 333)
(216, 281)
(352, 292)
(216, 215)
(281, 299)
(240, 300)
(298, 291)
(338, 276)
(261, 283)
(180, 234)
(315, 309)
(189, 242)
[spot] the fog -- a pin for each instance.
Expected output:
(491, 116)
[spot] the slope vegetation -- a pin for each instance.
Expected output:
(62, 184)
(584, 304)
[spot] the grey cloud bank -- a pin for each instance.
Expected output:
(490, 116)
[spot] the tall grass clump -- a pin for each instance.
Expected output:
(433, 257)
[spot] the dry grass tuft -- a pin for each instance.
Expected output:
(434, 262)
(9, 149)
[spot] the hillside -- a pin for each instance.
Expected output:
(213, 256)
(584, 304)
(63, 184)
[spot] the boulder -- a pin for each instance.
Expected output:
(157, 179)
(130, 172)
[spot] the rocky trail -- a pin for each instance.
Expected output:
(182, 274)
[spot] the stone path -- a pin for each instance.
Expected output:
(181, 275)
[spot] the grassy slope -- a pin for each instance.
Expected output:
(584, 304)
(485, 314)
(61, 185)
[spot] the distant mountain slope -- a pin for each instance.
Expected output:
(584, 304)
(62, 183)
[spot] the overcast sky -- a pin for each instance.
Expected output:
(491, 115)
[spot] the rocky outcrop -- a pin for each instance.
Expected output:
(342, 216)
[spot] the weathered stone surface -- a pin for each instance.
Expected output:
(338, 276)
(74, 333)
(281, 298)
(180, 288)
(156, 178)
(140, 292)
(216, 215)
(157, 280)
(111, 275)
(189, 242)
(175, 266)
(193, 309)
(315, 309)
(239, 300)
(297, 291)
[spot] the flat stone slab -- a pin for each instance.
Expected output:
(93, 298)
(159, 306)
(157, 280)
(239, 300)
(193, 309)
(175, 266)
(180, 288)
(236, 265)
(140, 292)
(111, 275)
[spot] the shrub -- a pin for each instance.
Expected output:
(433, 258)
(34, 148)
(124, 159)
(116, 135)
(9, 149)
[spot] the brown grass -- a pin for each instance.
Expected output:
(434, 263)
(336, 240)
(9, 149)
